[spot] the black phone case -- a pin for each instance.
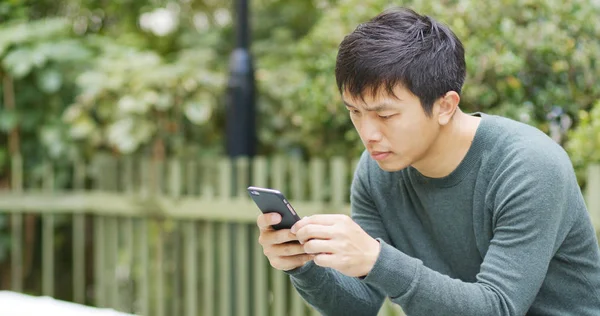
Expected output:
(269, 201)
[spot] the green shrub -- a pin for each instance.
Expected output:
(525, 59)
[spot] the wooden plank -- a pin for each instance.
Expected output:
(16, 255)
(339, 185)
(172, 259)
(127, 175)
(260, 175)
(190, 267)
(208, 178)
(278, 174)
(127, 231)
(175, 178)
(111, 204)
(297, 304)
(99, 248)
(142, 259)
(278, 278)
(191, 187)
(48, 237)
(108, 181)
(225, 184)
(224, 255)
(242, 278)
(100, 277)
(145, 173)
(158, 274)
(174, 264)
(142, 254)
(317, 180)
(297, 178)
(16, 252)
(111, 262)
(127, 294)
(157, 179)
(260, 291)
(118, 204)
(593, 194)
(278, 292)
(209, 286)
(242, 165)
(79, 237)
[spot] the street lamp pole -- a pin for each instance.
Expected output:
(241, 107)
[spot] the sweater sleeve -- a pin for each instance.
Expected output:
(529, 199)
(331, 292)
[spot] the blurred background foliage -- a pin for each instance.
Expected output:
(137, 76)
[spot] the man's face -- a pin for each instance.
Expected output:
(394, 129)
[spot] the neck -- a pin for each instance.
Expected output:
(450, 147)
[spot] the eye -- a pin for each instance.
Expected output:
(385, 117)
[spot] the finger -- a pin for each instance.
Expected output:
(320, 219)
(317, 246)
(288, 249)
(325, 260)
(313, 231)
(283, 236)
(295, 261)
(265, 221)
(275, 237)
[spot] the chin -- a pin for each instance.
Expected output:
(392, 166)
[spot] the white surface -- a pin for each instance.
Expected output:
(17, 304)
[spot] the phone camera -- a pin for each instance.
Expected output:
(254, 193)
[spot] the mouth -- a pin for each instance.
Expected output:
(380, 155)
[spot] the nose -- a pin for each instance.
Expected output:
(370, 131)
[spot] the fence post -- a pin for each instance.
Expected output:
(593, 194)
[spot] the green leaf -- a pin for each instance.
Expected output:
(49, 81)
(8, 120)
(19, 62)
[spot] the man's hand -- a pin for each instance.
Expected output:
(280, 246)
(338, 242)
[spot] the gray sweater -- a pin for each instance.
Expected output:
(506, 233)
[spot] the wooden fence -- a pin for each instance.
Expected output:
(171, 238)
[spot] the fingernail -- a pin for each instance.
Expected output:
(275, 218)
(293, 230)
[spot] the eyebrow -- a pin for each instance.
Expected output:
(378, 108)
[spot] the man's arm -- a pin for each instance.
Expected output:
(328, 290)
(531, 219)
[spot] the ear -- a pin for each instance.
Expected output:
(447, 107)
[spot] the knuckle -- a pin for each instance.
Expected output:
(288, 251)
(309, 246)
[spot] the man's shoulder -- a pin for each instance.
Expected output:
(518, 152)
(510, 141)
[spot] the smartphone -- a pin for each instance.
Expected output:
(269, 201)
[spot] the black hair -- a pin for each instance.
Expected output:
(400, 46)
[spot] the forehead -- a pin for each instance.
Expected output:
(375, 97)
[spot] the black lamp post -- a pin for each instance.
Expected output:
(241, 108)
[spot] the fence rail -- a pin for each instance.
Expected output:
(174, 238)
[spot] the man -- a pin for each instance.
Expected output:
(452, 214)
